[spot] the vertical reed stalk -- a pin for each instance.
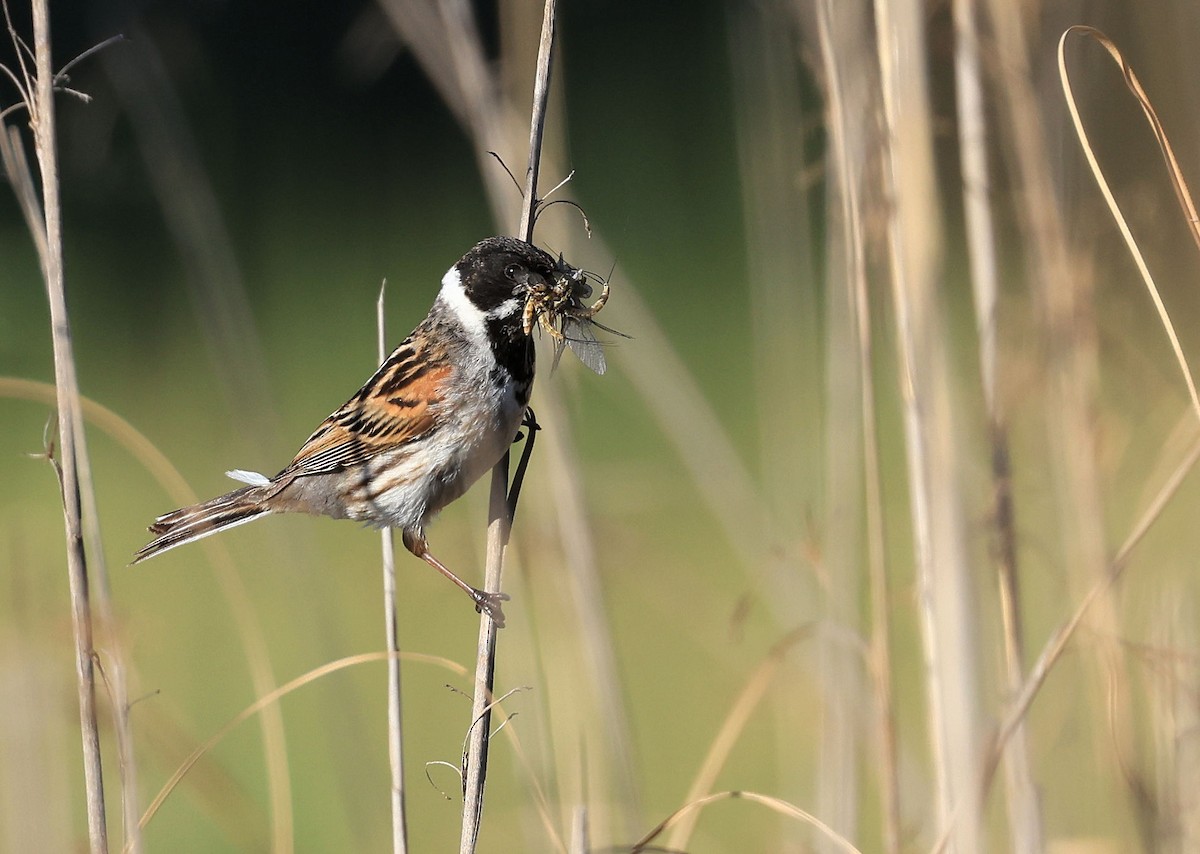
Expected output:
(1063, 295)
(841, 31)
(42, 120)
(914, 243)
(391, 630)
(787, 344)
(1024, 809)
(500, 513)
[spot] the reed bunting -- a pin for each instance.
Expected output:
(441, 410)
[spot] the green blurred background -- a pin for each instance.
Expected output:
(241, 182)
(331, 169)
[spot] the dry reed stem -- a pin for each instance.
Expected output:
(16, 167)
(842, 35)
(40, 101)
(795, 345)
(499, 512)
(780, 806)
(112, 645)
(1063, 288)
(1024, 808)
(392, 636)
(946, 621)
(493, 122)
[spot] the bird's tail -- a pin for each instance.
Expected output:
(192, 523)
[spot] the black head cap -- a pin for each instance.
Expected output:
(500, 269)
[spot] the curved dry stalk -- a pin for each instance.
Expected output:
(778, 805)
(731, 729)
(1177, 183)
(230, 582)
(271, 699)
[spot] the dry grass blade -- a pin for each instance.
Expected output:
(269, 700)
(1053, 649)
(780, 806)
(1177, 182)
(232, 587)
(735, 722)
(20, 177)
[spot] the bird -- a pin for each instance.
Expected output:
(439, 412)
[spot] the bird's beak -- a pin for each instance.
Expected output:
(532, 280)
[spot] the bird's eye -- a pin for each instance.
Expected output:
(512, 271)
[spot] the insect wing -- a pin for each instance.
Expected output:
(583, 343)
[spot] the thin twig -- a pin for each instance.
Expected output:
(499, 514)
(43, 123)
(391, 628)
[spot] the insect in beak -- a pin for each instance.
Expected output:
(558, 307)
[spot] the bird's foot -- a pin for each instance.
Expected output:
(490, 603)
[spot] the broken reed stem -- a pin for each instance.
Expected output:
(499, 513)
(391, 628)
(42, 121)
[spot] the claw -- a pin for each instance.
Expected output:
(490, 603)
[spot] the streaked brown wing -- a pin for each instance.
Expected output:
(392, 409)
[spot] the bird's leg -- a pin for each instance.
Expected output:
(530, 423)
(484, 601)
